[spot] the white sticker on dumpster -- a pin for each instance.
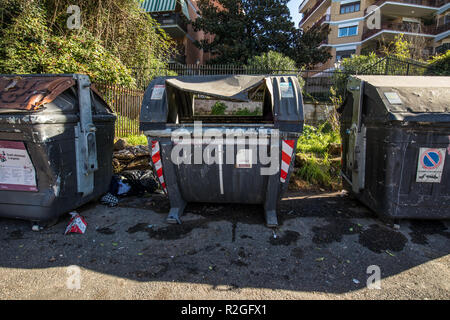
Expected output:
(430, 164)
(158, 92)
(287, 91)
(244, 158)
(16, 169)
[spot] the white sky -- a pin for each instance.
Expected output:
(293, 6)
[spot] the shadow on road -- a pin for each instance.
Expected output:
(324, 244)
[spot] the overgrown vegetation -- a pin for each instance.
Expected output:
(317, 161)
(135, 140)
(218, 108)
(439, 65)
(115, 36)
(271, 61)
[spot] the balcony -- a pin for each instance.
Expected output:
(325, 18)
(174, 24)
(402, 27)
(442, 28)
(310, 11)
(426, 3)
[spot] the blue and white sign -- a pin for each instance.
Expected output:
(430, 164)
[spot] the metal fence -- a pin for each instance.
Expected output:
(126, 103)
(316, 84)
(395, 66)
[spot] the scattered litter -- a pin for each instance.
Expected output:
(274, 234)
(77, 224)
(396, 226)
(356, 281)
(348, 261)
(109, 200)
(320, 259)
(390, 253)
(36, 228)
(21, 246)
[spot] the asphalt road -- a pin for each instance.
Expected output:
(322, 250)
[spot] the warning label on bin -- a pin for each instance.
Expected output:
(16, 169)
(287, 91)
(430, 164)
(158, 92)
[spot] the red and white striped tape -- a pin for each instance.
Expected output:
(156, 159)
(287, 149)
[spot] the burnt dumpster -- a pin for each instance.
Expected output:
(56, 141)
(210, 156)
(396, 145)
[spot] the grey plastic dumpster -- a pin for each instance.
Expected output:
(56, 141)
(396, 145)
(223, 159)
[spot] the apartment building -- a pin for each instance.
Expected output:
(355, 28)
(174, 17)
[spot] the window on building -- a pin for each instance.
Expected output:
(344, 54)
(350, 7)
(348, 31)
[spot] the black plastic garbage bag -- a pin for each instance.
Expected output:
(140, 181)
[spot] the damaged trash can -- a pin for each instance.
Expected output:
(56, 142)
(240, 150)
(396, 145)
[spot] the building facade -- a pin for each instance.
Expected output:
(355, 27)
(174, 17)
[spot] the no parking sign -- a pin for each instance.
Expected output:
(430, 164)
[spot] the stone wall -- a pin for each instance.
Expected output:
(316, 113)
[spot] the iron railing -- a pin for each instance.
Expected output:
(316, 84)
(126, 103)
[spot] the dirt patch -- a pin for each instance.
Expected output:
(15, 235)
(286, 239)
(379, 239)
(334, 231)
(239, 263)
(152, 272)
(420, 229)
(297, 253)
(171, 232)
(105, 231)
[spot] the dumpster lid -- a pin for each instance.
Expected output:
(227, 87)
(412, 94)
(31, 92)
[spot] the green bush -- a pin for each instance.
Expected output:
(313, 158)
(439, 65)
(271, 61)
(315, 171)
(115, 37)
(218, 108)
(245, 112)
(317, 140)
